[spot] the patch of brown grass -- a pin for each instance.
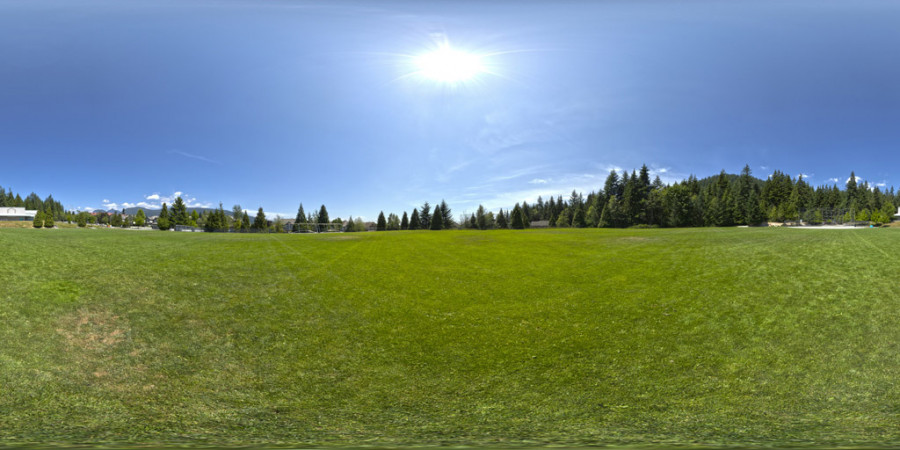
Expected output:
(92, 330)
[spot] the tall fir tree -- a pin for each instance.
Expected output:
(425, 216)
(447, 221)
(502, 222)
(300, 221)
(414, 222)
(323, 215)
(260, 223)
(381, 225)
(436, 220)
(163, 221)
(517, 222)
(179, 214)
(404, 223)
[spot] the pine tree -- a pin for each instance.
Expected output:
(381, 225)
(517, 222)
(502, 223)
(163, 221)
(425, 216)
(260, 223)
(610, 217)
(404, 223)
(447, 221)
(179, 214)
(38, 220)
(300, 221)
(481, 218)
(611, 186)
(754, 212)
(140, 218)
(578, 221)
(323, 215)
(414, 222)
(436, 220)
(245, 222)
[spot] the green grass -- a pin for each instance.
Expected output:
(573, 337)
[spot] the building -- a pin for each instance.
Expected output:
(13, 214)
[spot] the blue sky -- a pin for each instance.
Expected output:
(112, 103)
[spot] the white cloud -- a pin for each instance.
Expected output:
(177, 194)
(881, 184)
(152, 197)
(538, 181)
(834, 180)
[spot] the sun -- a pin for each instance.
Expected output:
(449, 65)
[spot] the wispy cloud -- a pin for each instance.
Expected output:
(834, 180)
(193, 156)
(538, 181)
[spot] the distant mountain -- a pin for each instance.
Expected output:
(155, 212)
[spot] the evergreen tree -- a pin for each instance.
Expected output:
(404, 223)
(414, 222)
(116, 220)
(245, 222)
(300, 221)
(481, 218)
(612, 215)
(381, 225)
(195, 217)
(611, 186)
(502, 223)
(163, 221)
(754, 212)
(179, 214)
(425, 216)
(260, 223)
(578, 220)
(437, 220)
(447, 221)
(140, 218)
(323, 215)
(517, 222)
(38, 219)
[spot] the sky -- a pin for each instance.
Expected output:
(109, 104)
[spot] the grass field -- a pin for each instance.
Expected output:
(576, 337)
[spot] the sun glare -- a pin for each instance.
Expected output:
(447, 65)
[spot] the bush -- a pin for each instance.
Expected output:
(48, 221)
(38, 220)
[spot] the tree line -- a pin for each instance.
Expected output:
(724, 200)
(626, 200)
(48, 207)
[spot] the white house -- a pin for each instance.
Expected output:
(13, 214)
